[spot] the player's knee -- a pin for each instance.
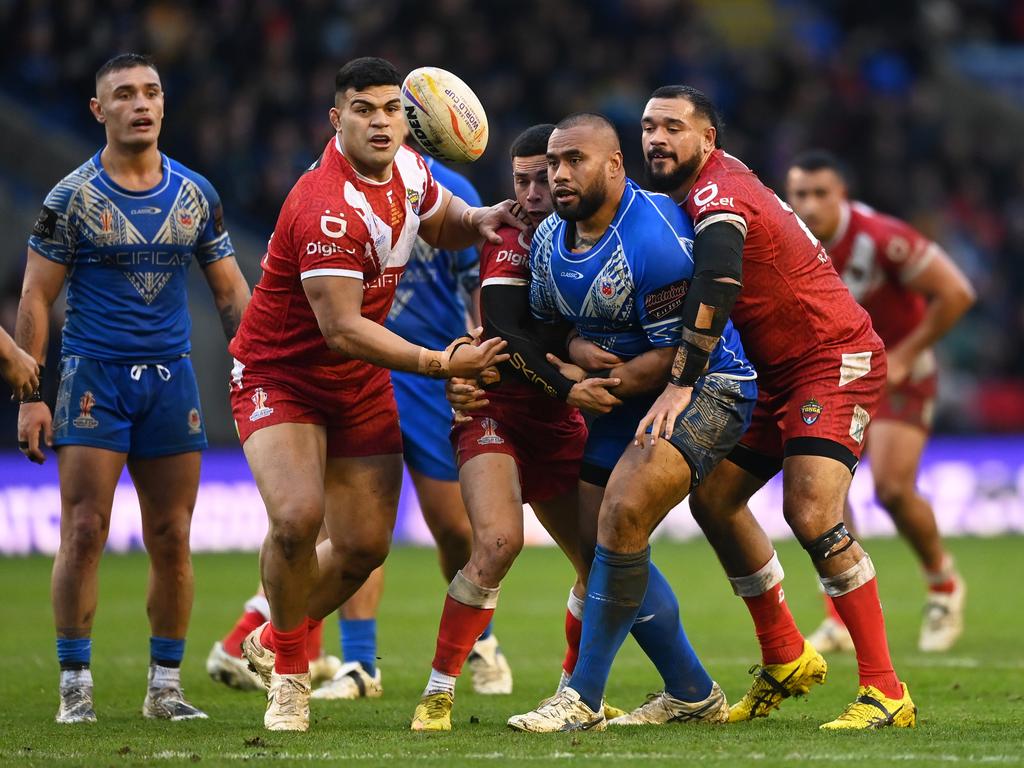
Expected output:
(86, 532)
(623, 519)
(362, 555)
(704, 507)
(454, 537)
(294, 537)
(499, 547)
(893, 494)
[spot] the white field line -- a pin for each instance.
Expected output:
(919, 662)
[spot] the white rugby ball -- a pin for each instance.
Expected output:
(444, 115)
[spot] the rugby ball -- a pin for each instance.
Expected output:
(444, 115)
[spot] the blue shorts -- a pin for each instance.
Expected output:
(705, 433)
(426, 420)
(143, 410)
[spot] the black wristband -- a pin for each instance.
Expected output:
(689, 365)
(37, 396)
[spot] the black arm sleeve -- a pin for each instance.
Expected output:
(506, 313)
(717, 253)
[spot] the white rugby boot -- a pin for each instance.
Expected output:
(661, 708)
(564, 711)
(351, 681)
(492, 675)
(234, 672)
(943, 618)
(287, 703)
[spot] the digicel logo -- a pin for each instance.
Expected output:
(326, 249)
(512, 257)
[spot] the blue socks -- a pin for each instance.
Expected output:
(615, 590)
(359, 642)
(166, 651)
(627, 593)
(74, 652)
(664, 641)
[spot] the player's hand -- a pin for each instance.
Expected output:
(34, 422)
(469, 360)
(464, 396)
(21, 372)
(570, 371)
(587, 355)
(663, 414)
(593, 395)
(487, 221)
(900, 365)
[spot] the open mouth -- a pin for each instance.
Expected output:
(142, 122)
(380, 141)
(564, 195)
(658, 155)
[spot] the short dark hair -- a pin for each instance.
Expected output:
(532, 141)
(820, 160)
(366, 72)
(125, 61)
(702, 105)
(586, 118)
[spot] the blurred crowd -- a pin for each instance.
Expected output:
(249, 83)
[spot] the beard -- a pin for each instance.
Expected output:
(671, 180)
(586, 205)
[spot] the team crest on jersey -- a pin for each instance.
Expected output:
(413, 196)
(85, 419)
(606, 287)
(195, 424)
(859, 423)
(185, 218)
(810, 411)
(259, 400)
(490, 435)
(107, 219)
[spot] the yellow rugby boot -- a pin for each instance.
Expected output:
(434, 712)
(775, 682)
(871, 709)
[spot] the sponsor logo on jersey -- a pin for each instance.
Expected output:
(386, 280)
(326, 249)
(859, 423)
(262, 410)
(810, 411)
(490, 435)
(667, 300)
(85, 419)
(333, 226)
(571, 273)
(195, 424)
(46, 223)
(706, 194)
(146, 210)
(515, 258)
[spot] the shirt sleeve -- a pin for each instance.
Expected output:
(214, 241)
(903, 251)
(431, 193)
(718, 197)
(542, 301)
(507, 263)
(326, 246)
(661, 282)
(53, 234)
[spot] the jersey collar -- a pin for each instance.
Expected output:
(364, 179)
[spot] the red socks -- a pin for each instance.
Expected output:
(831, 612)
(573, 635)
(777, 633)
(289, 648)
(861, 611)
(314, 639)
(461, 625)
(246, 623)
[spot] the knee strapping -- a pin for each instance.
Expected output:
(832, 542)
(847, 581)
(761, 580)
(473, 595)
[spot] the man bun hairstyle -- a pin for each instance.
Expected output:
(702, 105)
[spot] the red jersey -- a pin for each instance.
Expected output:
(333, 222)
(877, 255)
(509, 264)
(793, 305)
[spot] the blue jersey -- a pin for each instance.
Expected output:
(127, 254)
(626, 292)
(428, 308)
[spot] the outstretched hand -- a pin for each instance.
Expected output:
(663, 415)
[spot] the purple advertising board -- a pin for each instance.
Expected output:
(976, 486)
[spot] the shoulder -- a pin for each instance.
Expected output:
(200, 181)
(59, 197)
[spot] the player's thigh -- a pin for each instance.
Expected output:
(895, 449)
(288, 464)
(494, 499)
(88, 479)
(441, 504)
(724, 492)
(814, 490)
(167, 488)
(645, 484)
(361, 502)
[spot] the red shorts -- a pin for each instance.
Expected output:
(360, 420)
(545, 437)
(825, 411)
(912, 402)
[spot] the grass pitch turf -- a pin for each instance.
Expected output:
(971, 700)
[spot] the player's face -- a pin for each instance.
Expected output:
(675, 142)
(371, 127)
(578, 167)
(817, 197)
(530, 179)
(130, 105)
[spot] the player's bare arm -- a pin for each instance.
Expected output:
(456, 224)
(40, 289)
(19, 369)
(589, 356)
(230, 293)
(949, 294)
(644, 373)
(337, 303)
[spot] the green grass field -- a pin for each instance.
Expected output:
(971, 701)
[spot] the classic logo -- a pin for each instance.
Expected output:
(85, 419)
(490, 436)
(146, 210)
(810, 411)
(667, 300)
(195, 424)
(259, 399)
(571, 273)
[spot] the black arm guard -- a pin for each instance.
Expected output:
(717, 253)
(506, 313)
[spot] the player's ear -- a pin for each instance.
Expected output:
(615, 162)
(334, 115)
(710, 136)
(97, 110)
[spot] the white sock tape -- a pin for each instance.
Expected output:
(761, 580)
(473, 595)
(847, 581)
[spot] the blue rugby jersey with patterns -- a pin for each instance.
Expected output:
(428, 308)
(626, 292)
(127, 255)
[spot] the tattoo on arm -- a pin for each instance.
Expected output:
(230, 319)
